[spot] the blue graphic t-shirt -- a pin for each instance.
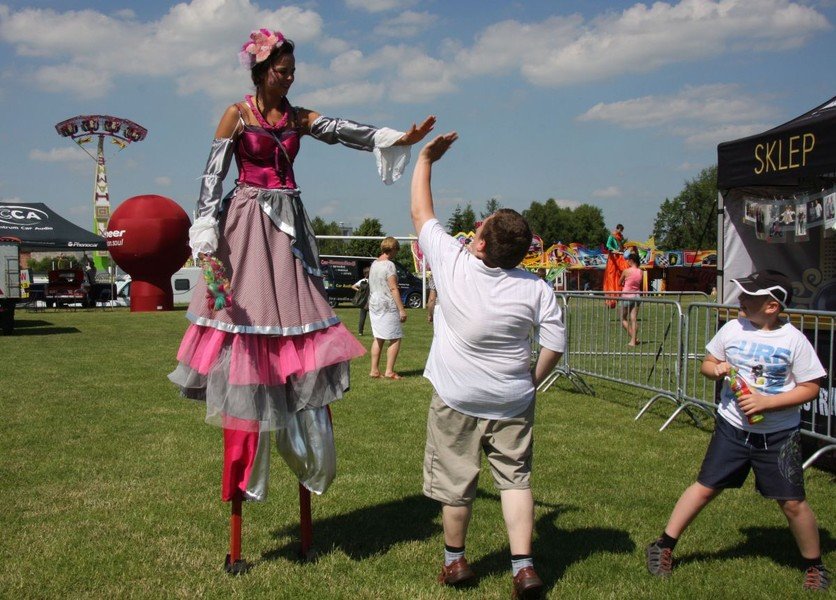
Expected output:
(770, 362)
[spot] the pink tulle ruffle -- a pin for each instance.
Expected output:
(268, 360)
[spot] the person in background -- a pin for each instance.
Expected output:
(631, 283)
(432, 298)
(362, 298)
(615, 242)
(479, 366)
(386, 309)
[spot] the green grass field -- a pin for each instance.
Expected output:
(111, 484)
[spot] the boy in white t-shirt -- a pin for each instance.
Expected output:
(781, 370)
(479, 365)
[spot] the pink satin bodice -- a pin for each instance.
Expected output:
(265, 153)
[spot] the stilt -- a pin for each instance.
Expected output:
(234, 565)
(305, 524)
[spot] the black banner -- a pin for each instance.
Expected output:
(801, 149)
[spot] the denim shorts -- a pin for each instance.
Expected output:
(774, 457)
(628, 303)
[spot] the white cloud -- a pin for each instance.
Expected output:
(345, 94)
(332, 45)
(725, 133)
(58, 155)
(87, 50)
(422, 78)
(405, 25)
(162, 181)
(719, 103)
(194, 45)
(374, 6)
(563, 203)
(701, 115)
(84, 82)
(560, 51)
(607, 192)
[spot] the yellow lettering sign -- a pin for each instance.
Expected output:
(770, 148)
(775, 155)
(793, 150)
(808, 145)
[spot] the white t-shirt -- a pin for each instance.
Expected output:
(480, 355)
(770, 362)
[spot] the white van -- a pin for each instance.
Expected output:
(183, 283)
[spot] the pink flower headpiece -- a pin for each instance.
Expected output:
(261, 43)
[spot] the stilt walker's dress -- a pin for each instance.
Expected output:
(615, 265)
(272, 362)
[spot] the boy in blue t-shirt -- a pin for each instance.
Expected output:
(782, 371)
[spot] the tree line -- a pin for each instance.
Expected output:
(687, 221)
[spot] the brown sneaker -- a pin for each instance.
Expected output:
(527, 584)
(817, 579)
(457, 573)
(659, 560)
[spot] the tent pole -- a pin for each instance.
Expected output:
(721, 223)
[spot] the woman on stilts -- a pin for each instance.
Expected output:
(270, 359)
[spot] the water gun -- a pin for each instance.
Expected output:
(739, 388)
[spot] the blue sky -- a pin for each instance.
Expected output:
(615, 104)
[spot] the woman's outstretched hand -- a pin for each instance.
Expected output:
(436, 148)
(417, 133)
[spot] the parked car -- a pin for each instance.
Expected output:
(67, 286)
(341, 272)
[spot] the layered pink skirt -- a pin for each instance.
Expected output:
(279, 348)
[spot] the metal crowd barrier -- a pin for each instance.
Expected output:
(597, 343)
(672, 346)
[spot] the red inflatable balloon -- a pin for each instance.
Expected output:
(148, 236)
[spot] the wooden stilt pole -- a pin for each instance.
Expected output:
(305, 522)
(234, 564)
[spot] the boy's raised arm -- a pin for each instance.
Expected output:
(422, 197)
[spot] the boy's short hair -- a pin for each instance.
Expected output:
(507, 238)
(767, 283)
(389, 245)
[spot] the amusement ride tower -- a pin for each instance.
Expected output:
(82, 129)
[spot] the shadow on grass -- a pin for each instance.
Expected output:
(556, 549)
(45, 331)
(26, 323)
(775, 543)
(367, 531)
(374, 530)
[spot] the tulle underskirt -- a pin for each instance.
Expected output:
(252, 382)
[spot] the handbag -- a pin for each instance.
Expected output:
(361, 296)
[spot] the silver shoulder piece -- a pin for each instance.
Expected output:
(211, 183)
(348, 133)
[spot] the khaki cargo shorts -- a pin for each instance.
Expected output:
(453, 454)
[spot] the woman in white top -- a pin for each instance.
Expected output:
(386, 310)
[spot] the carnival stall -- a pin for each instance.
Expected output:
(777, 207)
(577, 267)
(777, 210)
